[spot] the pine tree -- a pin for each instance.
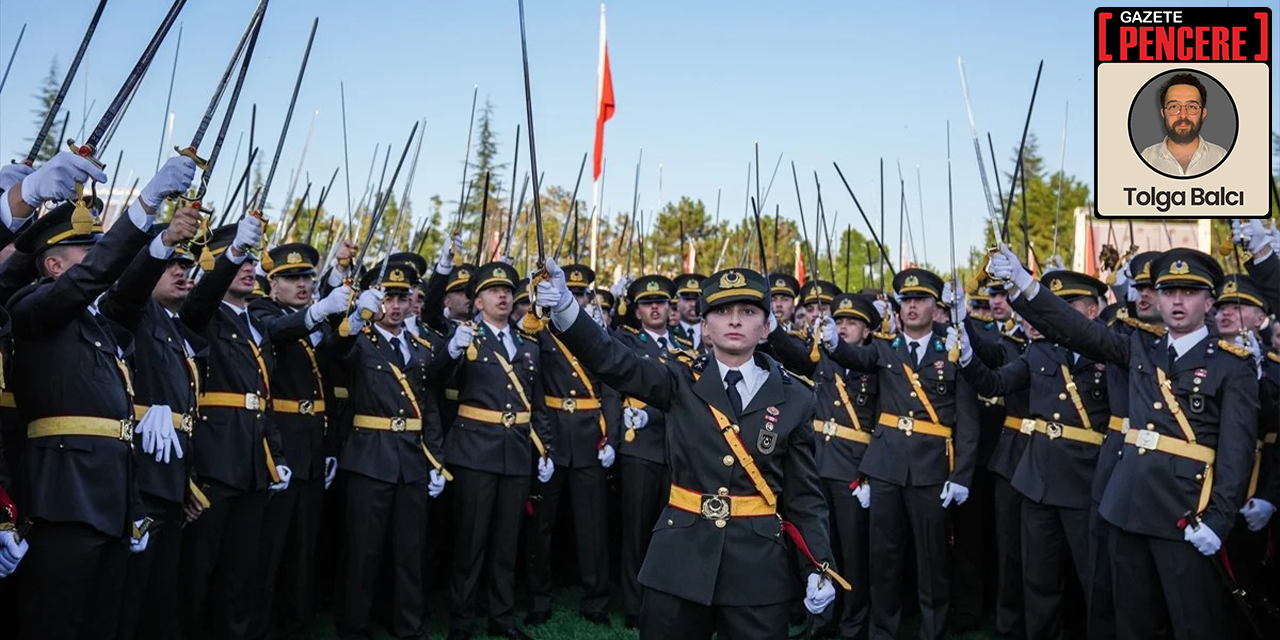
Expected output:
(1041, 197)
(483, 160)
(45, 97)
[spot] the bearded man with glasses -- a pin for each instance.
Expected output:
(1183, 153)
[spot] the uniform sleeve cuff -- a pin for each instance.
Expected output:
(158, 250)
(139, 216)
(564, 318)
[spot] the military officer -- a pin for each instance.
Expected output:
(922, 453)
(287, 552)
(644, 477)
(74, 389)
(585, 418)
(783, 290)
(816, 296)
(1068, 416)
(238, 455)
(392, 456)
(742, 467)
(500, 435)
(166, 361)
(1184, 468)
(605, 299)
(846, 414)
(688, 324)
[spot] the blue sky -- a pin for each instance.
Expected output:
(697, 83)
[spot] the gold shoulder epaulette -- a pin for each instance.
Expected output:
(1239, 351)
(803, 335)
(884, 336)
(979, 315)
(809, 383)
(1149, 328)
(1273, 356)
(631, 329)
(1015, 338)
(530, 337)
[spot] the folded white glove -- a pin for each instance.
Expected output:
(444, 260)
(1253, 235)
(462, 337)
(13, 173)
(619, 288)
(1257, 513)
(952, 492)
(966, 348)
(285, 473)
(1005, 266)
(57, 178)
(435, 486)
(332, 304)
(633, 418)
(826, 327)
(174, 178)
(370, 300)
(1205, 540)
(863, 494)
(330, 470)
(606, 456)
(138, 545)
(553, 293)
(158, 435)
(818, 598)
(248, 234)
(11, 551)
(545, 469)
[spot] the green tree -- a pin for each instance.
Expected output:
(45, 97)
(484, 158)
(1041, 205)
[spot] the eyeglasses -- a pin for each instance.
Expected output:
(1177, 109)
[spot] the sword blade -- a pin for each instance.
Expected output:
(284, 131)
(255, 22)
(56, 105)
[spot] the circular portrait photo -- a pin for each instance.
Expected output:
(1183, 123)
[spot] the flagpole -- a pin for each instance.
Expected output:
(597, 174)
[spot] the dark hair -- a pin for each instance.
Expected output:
(1187, 79)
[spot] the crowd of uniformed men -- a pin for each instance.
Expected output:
(197, 432)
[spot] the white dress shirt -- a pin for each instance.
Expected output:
(924, 346)
(504, 336)
(695, 332)
(753, 378)
(1183, 345)
(656, 336)
(401, 338)
(257, 337)
(1206, 157)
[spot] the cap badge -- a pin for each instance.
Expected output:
(653, 286)
(1231, 287)
(395, 275)
(732, 280)
(463, 274)
(780, 283)
(846, 304)
(293, 258)
(911, 281)
(499, 272)
(1179, 268)
(1055, 284)
(576, 276)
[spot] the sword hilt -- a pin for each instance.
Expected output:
(190, 152)
(85, 151)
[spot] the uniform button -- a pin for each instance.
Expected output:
(1158, 406)
(97, 344)
(508, 387)
(485, 359)
(836, 403)
(575, 373)
(508, 405)
(1199, 476)
(401, 411)
(1057, 416)
(1062, 396)
(913, 394)
(1195, 389)
(1041, 369)
(911, 414)
(1150, 426)
(722, 491)
(728, 461)
(670, 522)
(379, 367)
(721, 523)
(573, 392)
(234, 336)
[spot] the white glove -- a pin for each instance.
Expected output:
(606, 456)
(13, 173)
(462, 337)
(332, 304)
(966, 348)
(1122, 276)
(818, 598)
(435, 486)
(1249, 341)
(11, 551)
(863, 494)
(330, 470)
(596, 313)
(1257, 513)
(444, 260)
(826, 327)
(619, 288)
(285, 473)
(952, 492)
(57, 178)
(545, 469)
(959, 305)
(138, 545)
(1205, 540)
(1055, 264)
(158, 435)
(248, 234)
(1005, 266)
(174, 178)
(633, 418)
(370, 300)
(1250, 234)
(553, 293)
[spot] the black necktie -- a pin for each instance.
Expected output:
(662, 342)
(731, 380)
(1173, 356)
(395, 346)
(247, 325)
(914, 348)
(502, 340)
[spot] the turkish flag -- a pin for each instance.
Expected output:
(605, 101)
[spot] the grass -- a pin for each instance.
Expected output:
(566, 624)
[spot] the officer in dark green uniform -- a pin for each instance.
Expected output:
(1068, 416)
(742, 466)
(922, 454)
(1184, 468)
(846, 415)
(644, 478)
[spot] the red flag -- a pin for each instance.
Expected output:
(605, 103)
(799, 273)
(691, 258)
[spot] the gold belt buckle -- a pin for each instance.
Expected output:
(1149, 440)
(188, 422)
(508, 419)
(126, 429)
(716, 508)
(906, 424)
(398, 424)
(306, 408)
(1053, 430)
(252, 401)
(570, 405)
(829, 427)
(1028, 426)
